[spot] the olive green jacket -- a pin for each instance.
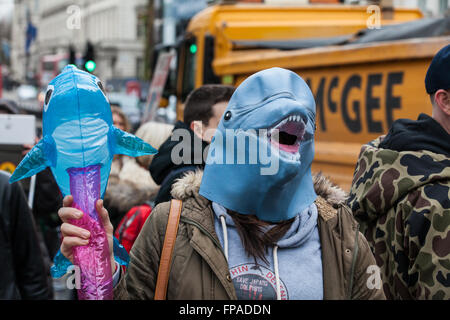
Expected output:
(199, 268)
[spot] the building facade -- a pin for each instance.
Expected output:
(113, 27)
(117, 30)
(25, 12)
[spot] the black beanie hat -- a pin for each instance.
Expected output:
(438, 75)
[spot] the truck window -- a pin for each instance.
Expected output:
(208, 73)
(190, 54)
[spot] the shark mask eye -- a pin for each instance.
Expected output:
(227, 116)
(100, 85)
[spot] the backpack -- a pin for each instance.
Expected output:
(131, 224)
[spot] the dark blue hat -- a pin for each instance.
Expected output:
(438, 75)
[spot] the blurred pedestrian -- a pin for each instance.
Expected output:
(246, 235)
(121, 122)
(117, 185)
(154, 133)
(23, 274)
(134, 195)
(203, 110)
(47, 199)
(401, 196)
(120, 119)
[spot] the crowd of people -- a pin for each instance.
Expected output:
(246, 235)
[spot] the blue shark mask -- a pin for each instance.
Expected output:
(78, 132)
(271, 116)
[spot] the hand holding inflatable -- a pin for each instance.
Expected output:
(79, 143)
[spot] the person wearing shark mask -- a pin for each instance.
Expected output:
(256, 224)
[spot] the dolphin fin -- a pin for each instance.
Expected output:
(34, 162)
(128, 144)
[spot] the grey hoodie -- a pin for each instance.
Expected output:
(295, 262)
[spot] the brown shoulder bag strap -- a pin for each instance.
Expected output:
(166, 254)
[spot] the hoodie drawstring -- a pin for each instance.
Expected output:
(275, 255)
(225, 236)
(277, 274)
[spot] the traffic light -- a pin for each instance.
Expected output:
(72, 55)
(90, 66)
(193, 48)
(89, 58)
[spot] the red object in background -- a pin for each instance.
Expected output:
(50, 66)
(1, 82)
(131, 224)
(134, 87)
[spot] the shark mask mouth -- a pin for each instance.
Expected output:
(287, 136)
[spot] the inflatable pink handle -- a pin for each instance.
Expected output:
(94, 258)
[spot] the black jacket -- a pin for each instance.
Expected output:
(22, 271)
(165, 172)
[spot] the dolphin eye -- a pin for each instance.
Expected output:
(48, 96)
(227, 116)
(102, 88)
(100, 85)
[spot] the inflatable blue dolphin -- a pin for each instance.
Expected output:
(78, 131)
(78, 145)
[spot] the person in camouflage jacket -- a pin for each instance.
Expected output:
(400, 195)
(401, 200)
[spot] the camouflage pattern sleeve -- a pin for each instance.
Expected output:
(423, 242)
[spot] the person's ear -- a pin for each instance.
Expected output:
(442, 100)
(197, 127)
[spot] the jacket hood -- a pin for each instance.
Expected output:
(425, 133)
(329, 195)
(162, 163)
(384, 176)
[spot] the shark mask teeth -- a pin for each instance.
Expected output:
(287, 136)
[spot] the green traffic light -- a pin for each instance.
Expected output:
(90, 65)
(193, 48)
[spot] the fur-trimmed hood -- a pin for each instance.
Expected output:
(189, 186)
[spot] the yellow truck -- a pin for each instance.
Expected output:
(360, 87)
